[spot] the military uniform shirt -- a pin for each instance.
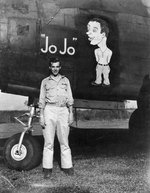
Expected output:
(57, 92)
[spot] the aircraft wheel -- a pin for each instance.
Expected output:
(136, 125)
(29, 157)
(135, 120)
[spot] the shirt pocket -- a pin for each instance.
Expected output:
(63, 89)
(63, 86)
(50, 90)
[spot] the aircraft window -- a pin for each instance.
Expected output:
(21, 7)
(22, 30)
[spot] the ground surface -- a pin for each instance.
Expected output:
(111, 164)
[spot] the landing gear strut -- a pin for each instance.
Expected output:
(22, 151)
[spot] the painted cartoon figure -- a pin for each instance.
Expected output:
(97, 31)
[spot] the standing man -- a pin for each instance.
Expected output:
(97, 31)
(55, 103)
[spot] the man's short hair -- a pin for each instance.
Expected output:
(53, 60)
(103, 24)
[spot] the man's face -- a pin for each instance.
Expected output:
(94, 32)
(55, 68)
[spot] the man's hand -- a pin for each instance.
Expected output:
(71, 119)
(42, 121)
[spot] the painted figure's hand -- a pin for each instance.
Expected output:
(71, 119)
(42, 121)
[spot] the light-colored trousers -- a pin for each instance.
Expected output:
(105, 70)
(56, 121)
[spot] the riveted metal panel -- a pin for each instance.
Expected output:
(22, 34)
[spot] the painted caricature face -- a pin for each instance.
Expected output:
(55, 68)
(94, 32)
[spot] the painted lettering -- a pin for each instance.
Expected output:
(46, 44)
(71, 51)
(53, 48)
(65, 47)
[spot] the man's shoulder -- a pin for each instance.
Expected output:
(109, 50)
(97, 50)
(64, 78)
(45, 79)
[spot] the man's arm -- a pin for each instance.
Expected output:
(71, 119)
(70, 102)
(42, 104)
(42, 96)
(96, 55)
(109, 56)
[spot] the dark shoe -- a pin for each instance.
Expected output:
(47, 173)
(68, 171)
(106, 85)
(95, 84)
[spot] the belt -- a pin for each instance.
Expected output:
(56, 104)
(102, 64)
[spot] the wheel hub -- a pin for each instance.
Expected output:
(18, 155)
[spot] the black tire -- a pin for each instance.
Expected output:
(31, 153)
(136, 125)
(135, 120)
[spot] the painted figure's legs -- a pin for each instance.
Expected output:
(106, 71)
(98, 74)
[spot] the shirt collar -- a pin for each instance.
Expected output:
(51, 77)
